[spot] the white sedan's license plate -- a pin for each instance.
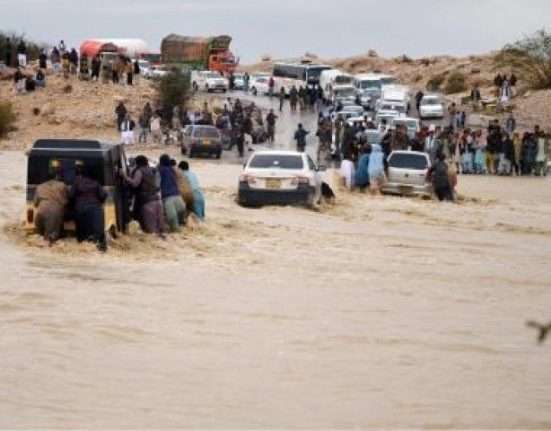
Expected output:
(273, 184)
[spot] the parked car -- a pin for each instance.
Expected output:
(343, 94)
(279, 177)
(145, 67)
(202, 140)
(259, 84)
(348, 111)
(156, 72)
(331, 78)
(431, 106)
(209, 81)
(238, 81)
(411, 125)
(369, 87)
(407, 174)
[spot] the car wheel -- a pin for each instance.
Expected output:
(191, 154)
(195, 87)
(219, 154)
(254, 91)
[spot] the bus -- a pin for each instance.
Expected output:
(307, 74)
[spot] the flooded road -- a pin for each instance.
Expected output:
(377, 312)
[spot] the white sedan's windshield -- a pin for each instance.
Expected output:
(345, 92)
(370, 85)
(407, 124)
(430, 102)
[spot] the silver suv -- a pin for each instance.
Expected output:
(407, 174)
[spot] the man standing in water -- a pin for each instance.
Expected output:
(50, 199)
(440, 178)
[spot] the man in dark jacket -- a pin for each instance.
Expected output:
(22, 54)
(174, 206)
(147, 204)
(440, 179)
(9, 52)
(88, 196)
(418, 97)
(271, 123)
(300, 138)
(42, 60)
(121, 112)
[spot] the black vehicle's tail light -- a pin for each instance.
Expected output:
(30, 215)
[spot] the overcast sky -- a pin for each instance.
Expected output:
(285, 28)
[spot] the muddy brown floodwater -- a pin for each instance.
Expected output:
(377, 312)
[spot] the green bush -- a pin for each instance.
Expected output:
(33, 48)
(435, 83)
(7, 118)
(174, 89)
(530, 59)
(456, 83)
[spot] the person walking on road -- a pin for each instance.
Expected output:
(418, 97)
(281, 99)
(271, 123)
(300, 138)
(293, 98)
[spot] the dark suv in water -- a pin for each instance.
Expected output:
(204, 140)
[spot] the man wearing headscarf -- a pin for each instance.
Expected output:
(50, 200)
(88, 196)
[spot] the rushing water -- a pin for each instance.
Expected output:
(379, 312)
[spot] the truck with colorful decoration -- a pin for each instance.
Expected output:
(199, 53)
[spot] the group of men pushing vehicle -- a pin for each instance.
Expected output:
(162, 198)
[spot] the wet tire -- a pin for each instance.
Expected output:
(254, 92)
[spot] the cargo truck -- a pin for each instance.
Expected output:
(199, 53)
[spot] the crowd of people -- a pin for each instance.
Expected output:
(362, 148)
(115, 68)
(238, 123)
(161, 199)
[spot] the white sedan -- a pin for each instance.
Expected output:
(431, 107)
(280, 177)
(156, 72)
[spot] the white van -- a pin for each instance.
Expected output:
(369, 86)
(396, 95)
(334, 77)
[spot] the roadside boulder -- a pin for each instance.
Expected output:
(47, 109)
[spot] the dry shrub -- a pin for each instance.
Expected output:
(7, 118)
(435, 83)
(530, 58)
(456, 83)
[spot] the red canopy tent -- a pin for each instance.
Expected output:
(91, 48)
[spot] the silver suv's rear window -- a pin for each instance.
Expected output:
(265, 161)
(206, 132)
(407, 161)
